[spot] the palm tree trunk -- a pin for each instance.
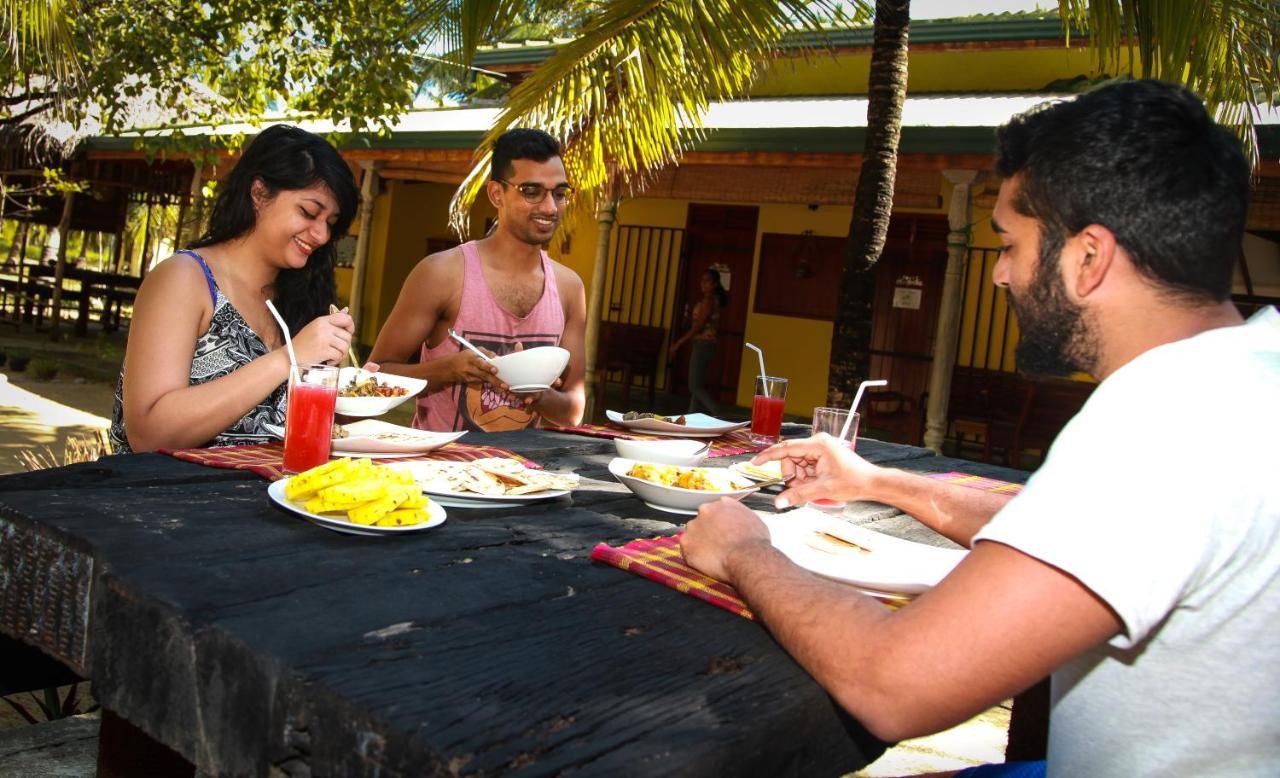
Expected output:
(873, 201)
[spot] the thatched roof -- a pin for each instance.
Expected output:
(50, 138)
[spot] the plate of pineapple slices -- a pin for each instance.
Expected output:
(357, 497)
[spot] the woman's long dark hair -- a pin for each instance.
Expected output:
(722, 294)
(287, 158)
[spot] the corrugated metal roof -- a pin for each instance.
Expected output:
(960, 123)
(1023, 26)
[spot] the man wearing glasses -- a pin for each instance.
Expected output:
(503, 294)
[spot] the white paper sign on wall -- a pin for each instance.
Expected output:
(906, 297)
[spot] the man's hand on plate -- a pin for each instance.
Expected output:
(721, 529)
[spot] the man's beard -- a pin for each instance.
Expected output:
(1055, 336)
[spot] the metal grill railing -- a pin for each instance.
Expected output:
(988, 330)
(644, 269)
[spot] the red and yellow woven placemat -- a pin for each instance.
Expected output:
(727, 445)
(659, 559)
(267, 459)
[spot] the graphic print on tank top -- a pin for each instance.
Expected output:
(481, 406)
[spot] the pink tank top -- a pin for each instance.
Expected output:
(487, 324)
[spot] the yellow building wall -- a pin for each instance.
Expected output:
(798, 349)
(406, 214)
(929, 71)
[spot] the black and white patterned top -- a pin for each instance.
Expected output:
(229, 344)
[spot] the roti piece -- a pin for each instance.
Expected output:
(833, 545)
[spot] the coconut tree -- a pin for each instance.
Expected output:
(873, 200)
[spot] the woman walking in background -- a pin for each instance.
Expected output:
(704, 331)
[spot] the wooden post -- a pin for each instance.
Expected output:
(60, 269)
(177, 230)
(20, 299)
(368, 193)
(606, 213)
(944, 345)
(117, 249)
(19, 239)
(144, 260)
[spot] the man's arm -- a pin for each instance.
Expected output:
(822, 468)
(1000, 622)
(566, 404)
(423, 302)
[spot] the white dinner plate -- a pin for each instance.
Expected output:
(455, 499)
(530, 388)
(671, 499)
(338, 524)
(374, 406)
(371, 438)
(697, 425)
(889, 565)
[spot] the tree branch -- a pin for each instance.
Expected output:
(18, 118)
(28, 97)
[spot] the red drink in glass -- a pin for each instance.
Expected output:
(766, 409)
(766, 416)
(308, 425)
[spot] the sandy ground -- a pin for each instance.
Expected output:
(41, 416)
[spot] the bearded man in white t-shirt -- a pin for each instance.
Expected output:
(1141, 563)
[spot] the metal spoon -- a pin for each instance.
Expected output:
(351, 352)
(467, 343)
(758, 485)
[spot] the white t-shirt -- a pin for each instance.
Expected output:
(1162, 496)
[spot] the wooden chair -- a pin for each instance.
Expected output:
(985, 404)
(631, 350)
(1049, 405)
(895, 412)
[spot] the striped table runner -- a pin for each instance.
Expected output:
(267, 459)
(727, 445)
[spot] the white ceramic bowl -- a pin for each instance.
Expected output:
(685, 453)
(672, 499)
(374, 406)
(533, 369)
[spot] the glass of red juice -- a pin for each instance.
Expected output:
(308, 420)
(766, 409)
(832, 421)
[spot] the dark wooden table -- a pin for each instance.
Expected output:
(247, 639)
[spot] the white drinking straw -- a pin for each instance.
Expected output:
(760, 354)
(288, 343)
(857, 398)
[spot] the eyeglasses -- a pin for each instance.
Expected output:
(535, 193)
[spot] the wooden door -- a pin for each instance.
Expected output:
(904, 321)
(722, 235)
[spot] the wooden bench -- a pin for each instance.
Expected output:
(632, 350)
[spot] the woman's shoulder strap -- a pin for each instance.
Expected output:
(208, 274)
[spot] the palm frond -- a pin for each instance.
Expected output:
(1223, 50)
(633, 87)
(36, 39)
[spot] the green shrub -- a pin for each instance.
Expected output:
(43, 368)
(18, 359)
